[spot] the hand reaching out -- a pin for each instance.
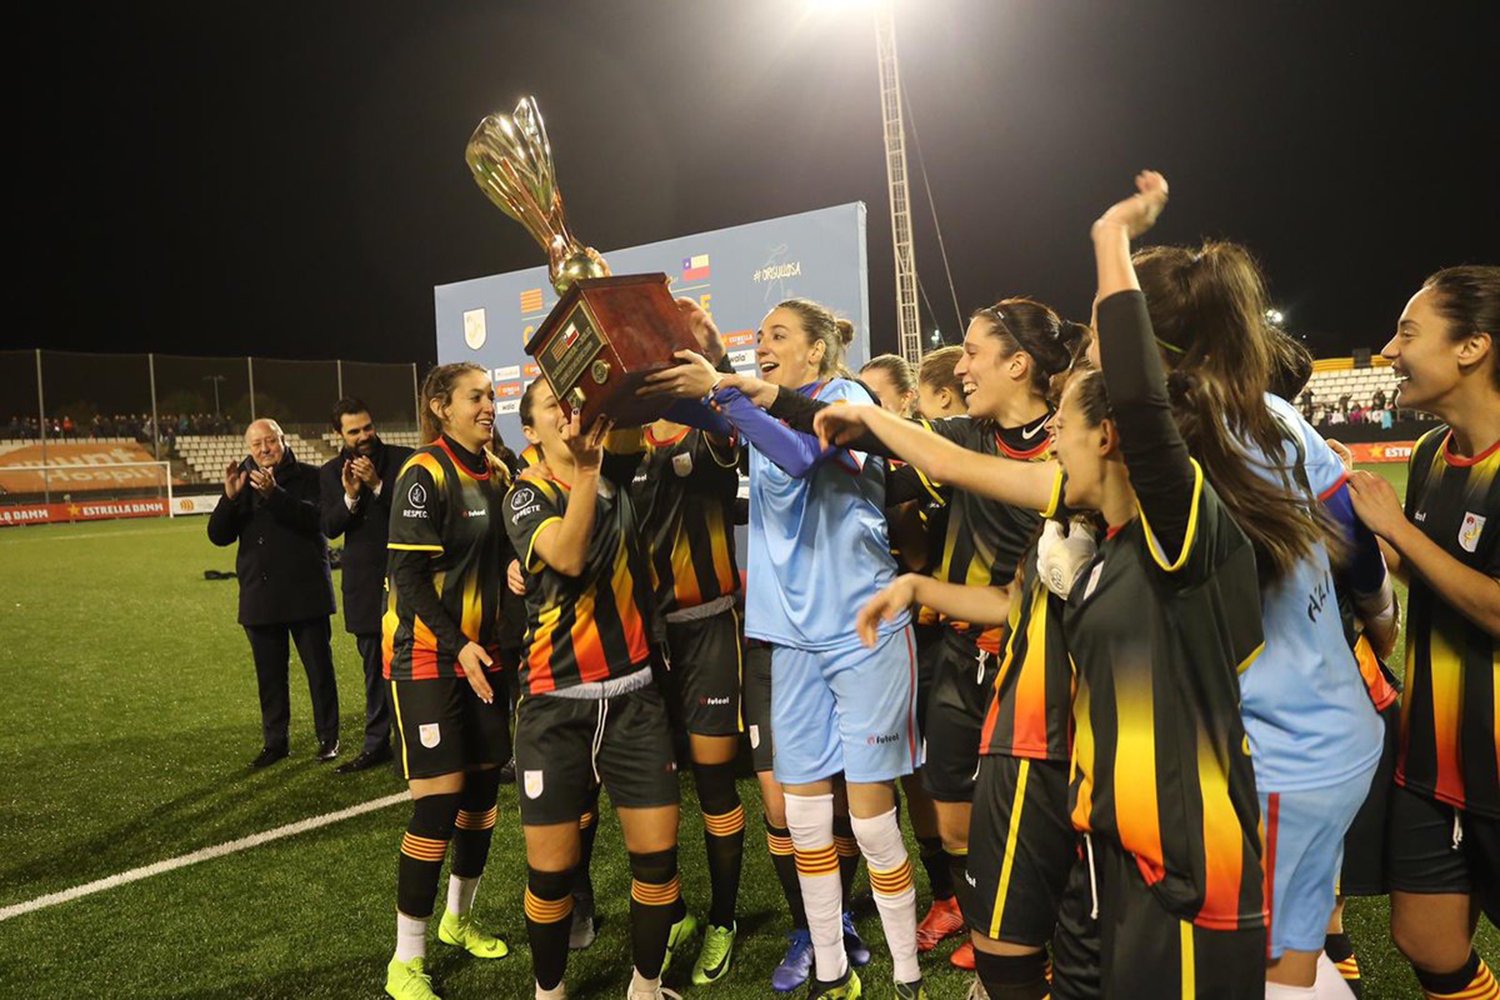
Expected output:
(705, 331)
(1138, 213)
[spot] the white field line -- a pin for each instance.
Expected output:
(85, 534)
(206, 854)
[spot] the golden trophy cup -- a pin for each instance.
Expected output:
(606, 334)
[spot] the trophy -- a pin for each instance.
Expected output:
(606, 333)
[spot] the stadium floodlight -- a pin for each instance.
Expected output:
(1275, 316)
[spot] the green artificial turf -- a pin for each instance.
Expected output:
(128, 717)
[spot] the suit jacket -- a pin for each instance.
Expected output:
(365, 530)
(282, 563)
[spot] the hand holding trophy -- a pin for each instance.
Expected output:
(606, 334)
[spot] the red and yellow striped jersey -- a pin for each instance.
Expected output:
(1161, 762)
(1450, 713)
(685, 494)
(593, 626)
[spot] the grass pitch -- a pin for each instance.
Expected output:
(128, 718)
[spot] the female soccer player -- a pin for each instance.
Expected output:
(892, 381)
(1444, 842)
(589, 712)
(448, 553)
(819, 550)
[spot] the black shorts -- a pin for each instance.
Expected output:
(962, 676)
(1021, 848)
(1142, 949)
(1433, 848)
(758, 705)
(929, 637)
(443, 727)
(1364, 869)
(560, 748)
(704, 661)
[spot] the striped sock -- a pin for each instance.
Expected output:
(471, 849)
(423, 847)
(783, 859)
(895, 896)
(723, 837)
(1340, 951)
(655, 902)
(549, 912)
(810, 819)
(1471, 981)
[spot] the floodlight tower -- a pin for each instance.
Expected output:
(907, 321)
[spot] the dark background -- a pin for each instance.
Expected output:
(288, 180)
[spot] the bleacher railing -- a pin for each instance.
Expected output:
(60, 405)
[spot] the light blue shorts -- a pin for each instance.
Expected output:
(850, 709)
(1303, 852)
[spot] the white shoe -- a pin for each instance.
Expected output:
(977, 991)
(660, 992)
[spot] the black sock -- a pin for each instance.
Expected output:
(1340, 951)
(783, 859)
(588, 828)
(1012, 977)
(935, 860)
(422, 851)
(958, 866)
(549, 911)
(475, 822)
(848, 850)
(654, 900)
(1469, 976)
(723, 837)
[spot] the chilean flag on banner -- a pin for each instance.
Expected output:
(695, 268)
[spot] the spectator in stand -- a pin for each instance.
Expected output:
(357, 504)
(270, 507)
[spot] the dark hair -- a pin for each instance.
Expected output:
(1291, 364)
(439, 385)
(896, 368)
(1207, 309)
(937, 367)
(1024, 324)
(820, 324)
(1468, 297)
(344, 407)
(528, 402)
(1093, 399)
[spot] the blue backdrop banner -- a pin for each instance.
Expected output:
(738, 274)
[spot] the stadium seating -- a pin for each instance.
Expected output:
(406, 439)
(206, 455)
(1329, 385)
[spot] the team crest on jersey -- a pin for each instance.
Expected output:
(417, 495)
(754, 737)
(532, 781)
(430, 735)
(1470, 530)
(682, 464)
(1093, 581)
(522, 497)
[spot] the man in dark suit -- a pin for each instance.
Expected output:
(357, 504)
(270, 507)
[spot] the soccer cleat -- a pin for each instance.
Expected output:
(659, 993)
(963, 957)
(796, 965)
(943, 920)
(977, 991)
(408, 981)
(854, 945)
(582, 933)
(911, 991)
(462, 931)
(849, 989)
(714, 956)
(677, 937)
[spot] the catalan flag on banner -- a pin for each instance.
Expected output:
(531, 301)
(695, 268)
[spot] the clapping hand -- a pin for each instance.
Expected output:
(234, 479)
(364, 470)
(263, 481)
(350, 480)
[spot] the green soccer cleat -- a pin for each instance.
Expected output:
(849, 989)
(407, 980)
(911, 991)
(714, 956)
(676, 938)
(461, 930)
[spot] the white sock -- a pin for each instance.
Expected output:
(558, 992)
(1330, 984)
(411, 937)
(890, 882)
(810, 819)
(640, 986)
(1281, 991)
(461, 894)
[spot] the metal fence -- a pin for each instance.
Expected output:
(147, 402)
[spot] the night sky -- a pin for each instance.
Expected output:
(288, 179)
